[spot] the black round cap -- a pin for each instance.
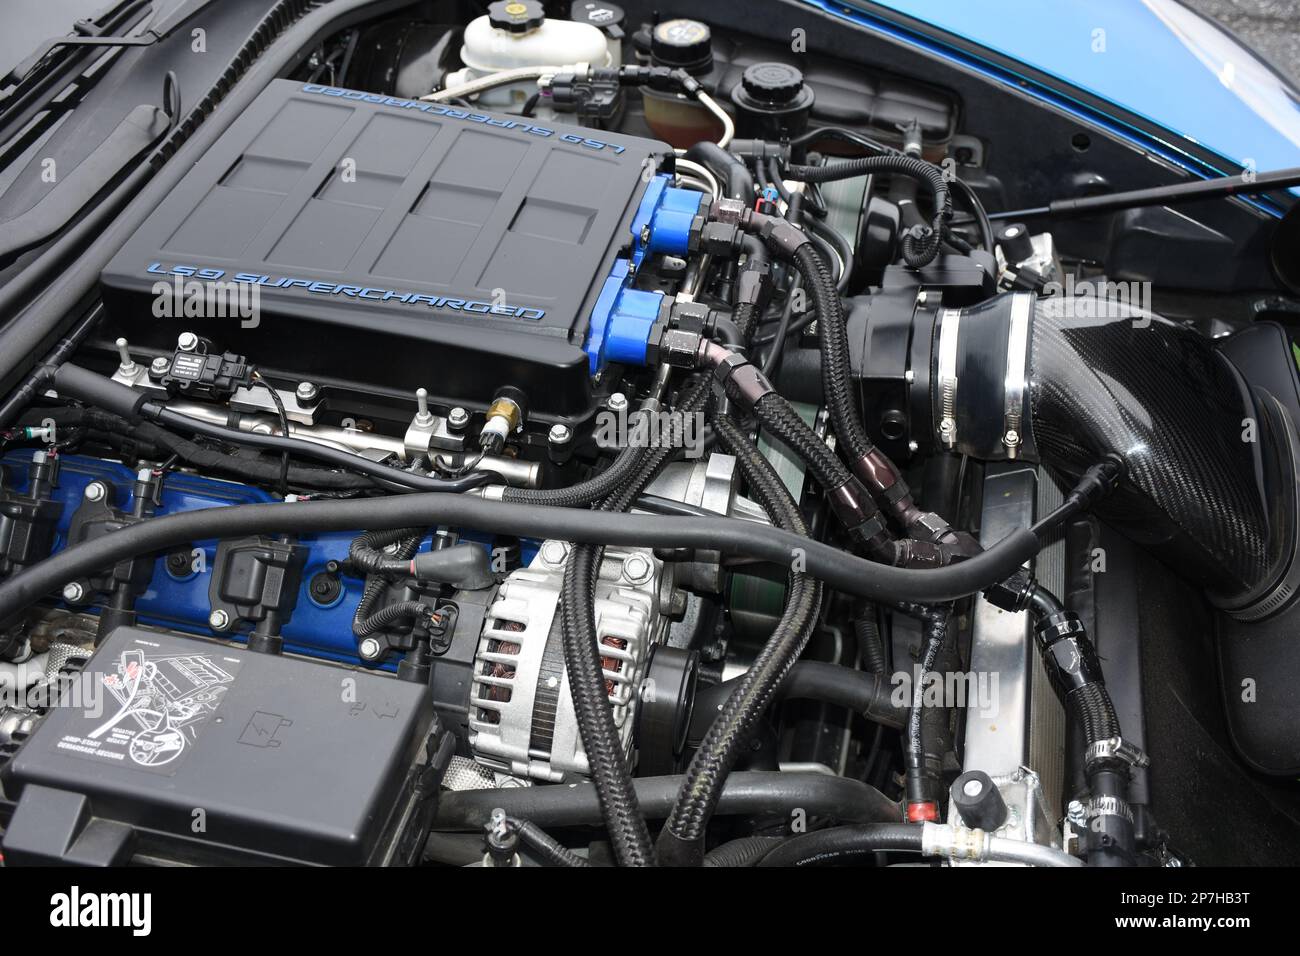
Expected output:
(687, 44)
(978, 800)
(1016, 244)
(516, 16)
(772, 82)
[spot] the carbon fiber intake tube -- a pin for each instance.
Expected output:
(1210, 480)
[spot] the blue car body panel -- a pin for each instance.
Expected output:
(1154, 59)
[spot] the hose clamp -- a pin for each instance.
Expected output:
(949, 326)
(1116, 748)
(1013, 432)
(1108, 806)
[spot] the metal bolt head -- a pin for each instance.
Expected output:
(370, 648)
(617, 402)
(554, 552)
(73, 592)
(306, 391)
(637, 568)
(559, 434)
(160, 365)
(219, 620)
(457, 417)
(187, 341)
(95, 491)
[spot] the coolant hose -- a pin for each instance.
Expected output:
(739, 180)
(751, 793)
(1074, 669)
(839, 845)
(863, 692)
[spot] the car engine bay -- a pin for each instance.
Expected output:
(577, 434)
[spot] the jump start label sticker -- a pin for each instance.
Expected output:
(158, 703)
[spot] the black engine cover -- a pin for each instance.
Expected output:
(395, 241)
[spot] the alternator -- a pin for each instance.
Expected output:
(521, 718)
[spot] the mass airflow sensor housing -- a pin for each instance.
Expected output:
(444, 247)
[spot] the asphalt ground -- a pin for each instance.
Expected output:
(1269, 27)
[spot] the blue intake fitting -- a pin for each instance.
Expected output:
(668, 221)
(622, 320)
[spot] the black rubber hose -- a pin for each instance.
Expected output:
(453, 849)
(745, 851)
(840, 845)
(1110, 837)
(681, 842)
(732, 536)
(739, 180)
(753, 287)
(744, 794)
(864, 693)
(979, 213)
(867, 694)
(837, 241)
(919, 250)
(595, 488)
(772, 361)
(544, 845)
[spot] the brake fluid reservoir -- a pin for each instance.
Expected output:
(516, 33)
